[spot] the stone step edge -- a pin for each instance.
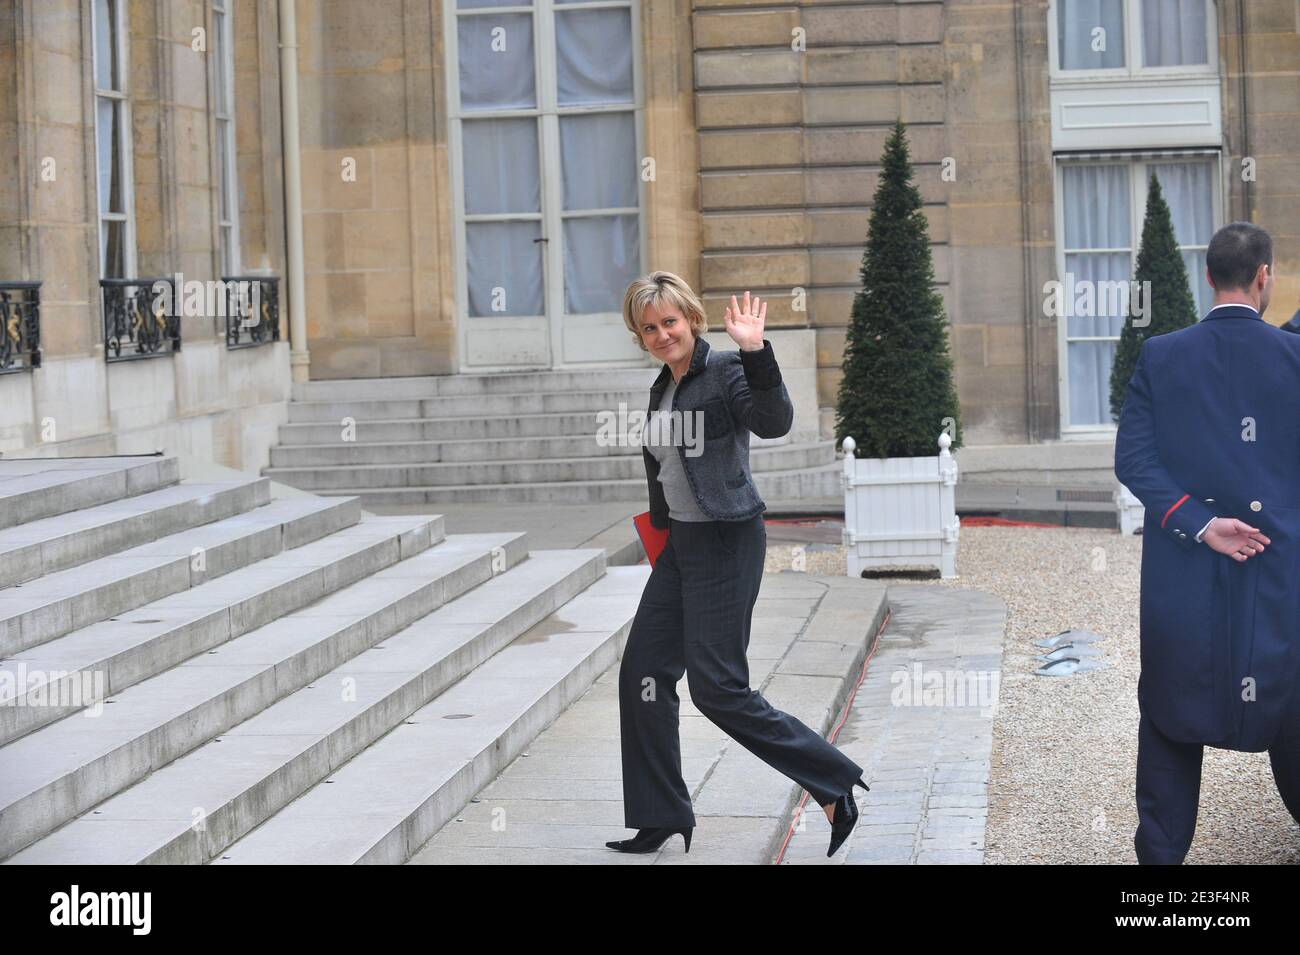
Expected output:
(630, 482)
(135, 479)
(30, 553)
(285, 534)
(632, 448)
(440, 419)
(540, 373)
(772, 450)
(530, 395)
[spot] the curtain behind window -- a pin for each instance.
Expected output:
(501, 177)
(1173, 32)
(1096, 217)
(1075, 22)
(599, 166)
(1187, 189)
(492, 77)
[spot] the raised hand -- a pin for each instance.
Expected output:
(745, 326)
(1237, 539)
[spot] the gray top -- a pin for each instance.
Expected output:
(661, 436)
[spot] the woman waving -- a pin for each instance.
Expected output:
(694, 615)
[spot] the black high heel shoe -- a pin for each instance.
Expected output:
(648, 840)
(846, 817)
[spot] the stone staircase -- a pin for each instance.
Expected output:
(527, 437)
(196, 672)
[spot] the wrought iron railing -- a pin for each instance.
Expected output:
(252, 310)
(140, 319)
(20, 326)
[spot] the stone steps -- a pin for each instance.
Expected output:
(483, 384)
(65, 540)
(478, 451)
(67, 767)
(165, 697)
(513, 438)
(136, 645)
(331, 478)
(242, 778)
(384, 803)
(451, 406)
(815, 483)
(33, 488)
(472, 427)
(58, 603)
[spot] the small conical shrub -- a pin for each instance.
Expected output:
(897, 393)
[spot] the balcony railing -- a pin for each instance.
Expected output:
(138, 321)
(20, 326)
(252, 310)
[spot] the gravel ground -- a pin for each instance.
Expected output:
(1065, 748)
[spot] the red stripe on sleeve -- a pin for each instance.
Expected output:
(1172, 509)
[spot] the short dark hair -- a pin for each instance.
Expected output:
(1235, 254)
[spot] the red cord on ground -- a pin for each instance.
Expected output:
(969, 520)
(972, 520)
(804, 520)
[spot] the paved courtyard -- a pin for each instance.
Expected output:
(925, 746)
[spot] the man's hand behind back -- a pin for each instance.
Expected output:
(1237, 539)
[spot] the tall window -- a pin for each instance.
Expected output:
(113, 141)
(1098, 247)
(223, 59)
(1133, 37)
(544, 109)
(1102, 207)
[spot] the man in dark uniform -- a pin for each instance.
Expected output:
(1209, 441)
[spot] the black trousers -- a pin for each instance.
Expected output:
(1169, 786)
(694, 618)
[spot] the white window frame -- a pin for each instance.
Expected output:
(122, 98)
(1138, 165)
(1132, 69)
(227, 217)
(552, 200)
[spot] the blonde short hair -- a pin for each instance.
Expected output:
(660, 289)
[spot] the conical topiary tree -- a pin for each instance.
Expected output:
(1170, 301)
(897, 394)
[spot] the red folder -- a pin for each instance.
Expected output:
(652, 538)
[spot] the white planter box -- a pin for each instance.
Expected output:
(1131, 511)
(901, 512)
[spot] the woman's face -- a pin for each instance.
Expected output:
(667, 334)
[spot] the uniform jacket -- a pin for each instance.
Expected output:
(738, 392)
(1211, 426)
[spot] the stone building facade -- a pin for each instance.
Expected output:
(479, 181)
(108, 132)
